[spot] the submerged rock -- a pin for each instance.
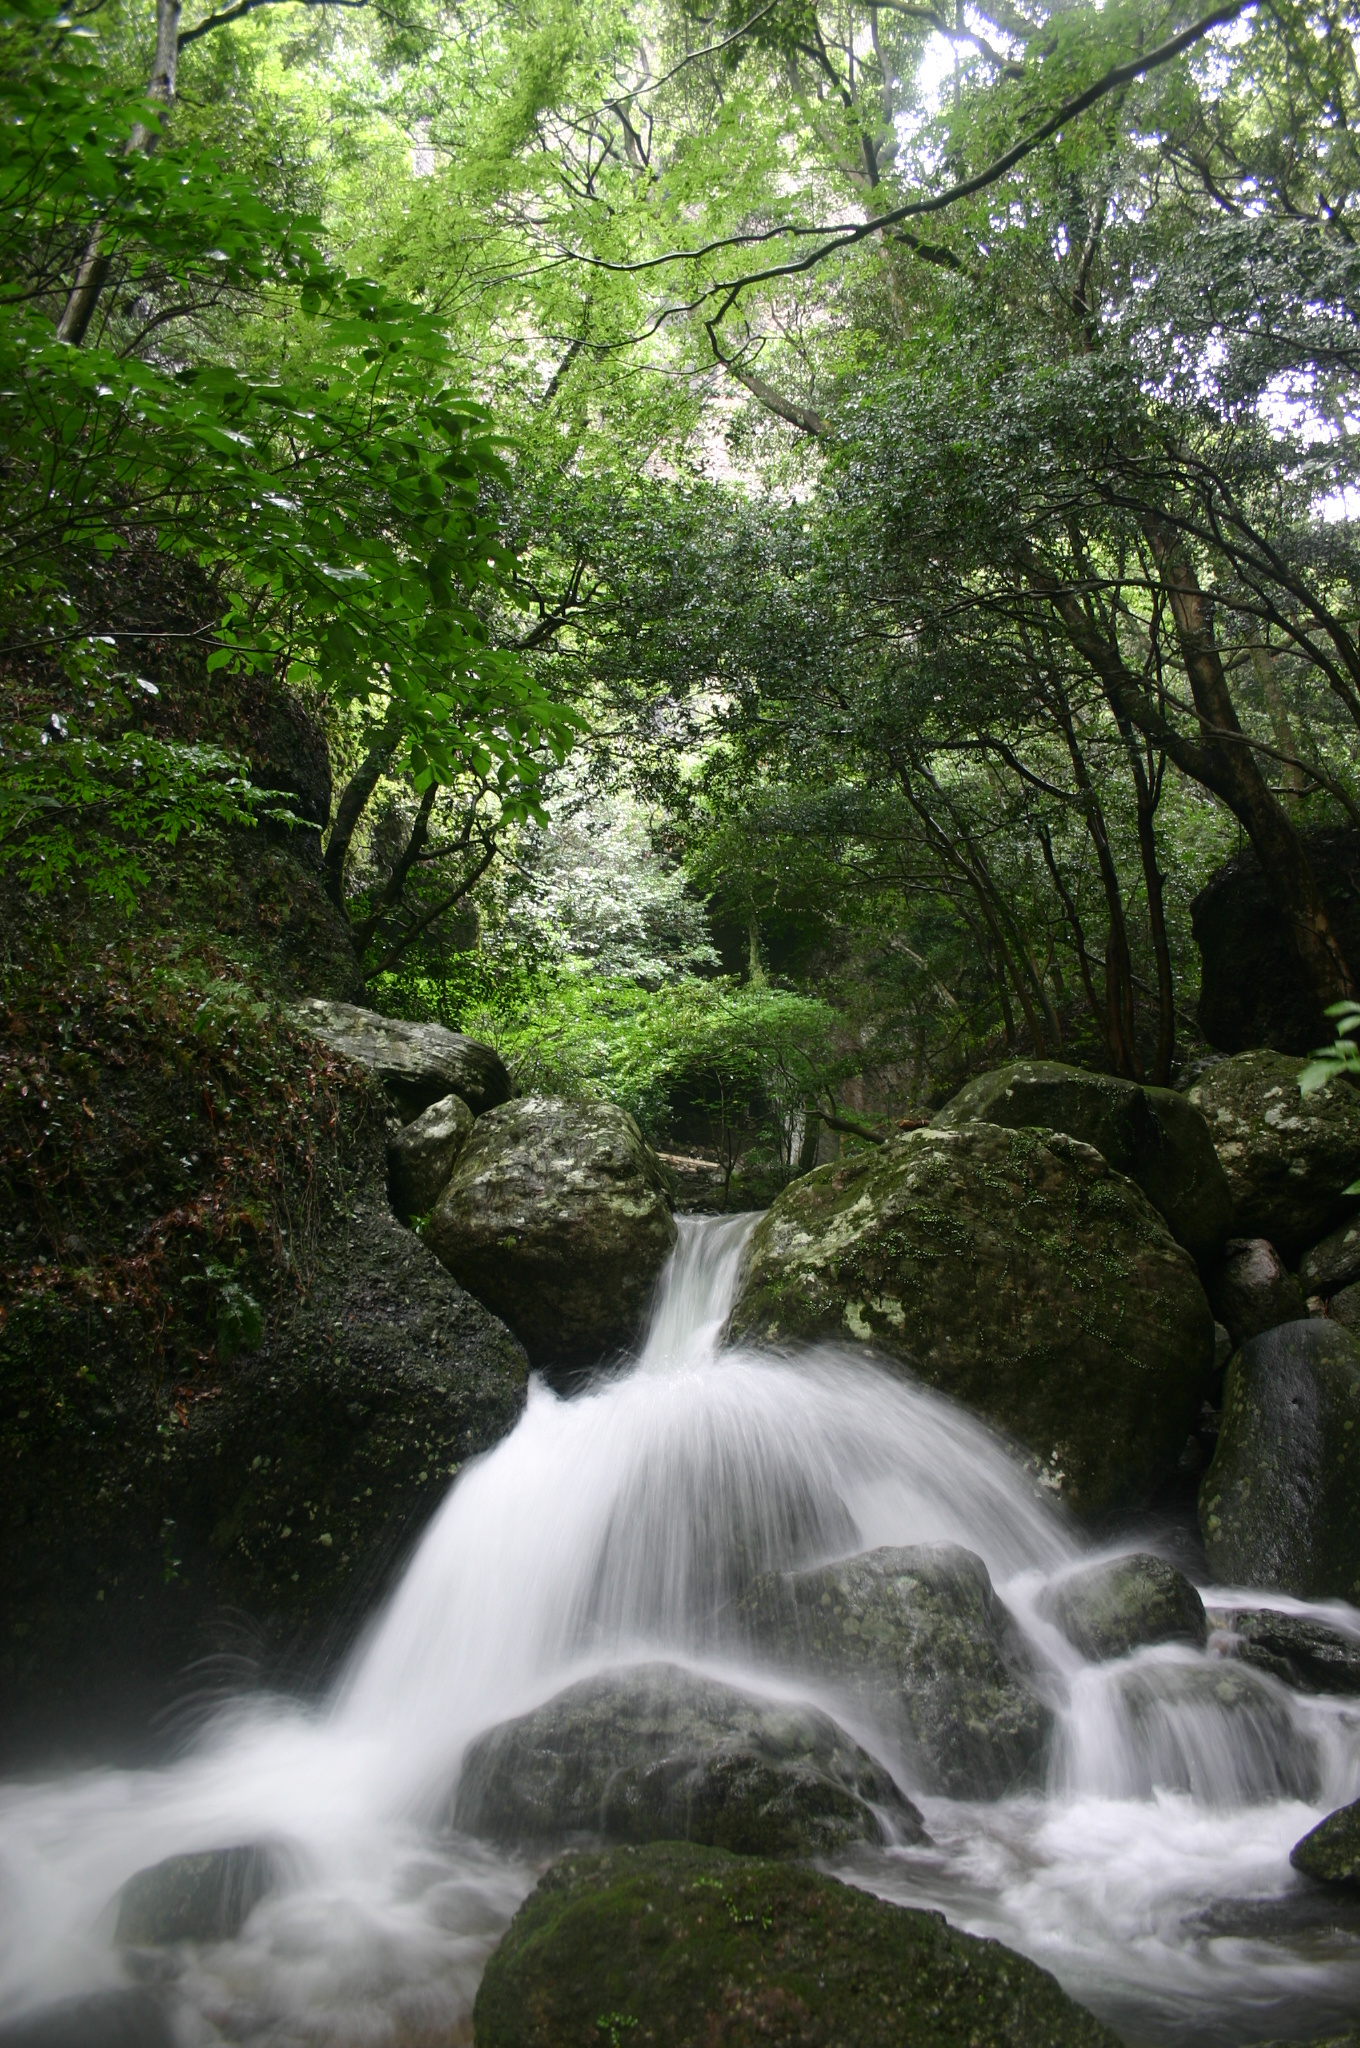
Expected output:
(1124, 1604)
(1291, 1647)
(420, 1156)
(917, 1637)
(556, 1217)
(1153, 1135)
(203, 1897)
(1014, 1270)
(1330, 1852)
(1178, 1743)
(657, 1753)
(695, 1949)
(1252, 1290)
(418, 1064)
(103, 2019)
(1288, 1157)
(1279, 1506)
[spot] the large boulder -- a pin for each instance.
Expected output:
(421, 1155)
(1221, 1734)
(1289, 1157)
(695, 1949)
(1014, 1270)
(917, 1638)
(657, 1753)
(1108, 1609)
(556, 1216)
(134, 2018)
(1151, 1134)
(416, 1063)
(1279, 1507)
(1252, 1289)
(1253, 990)
(1294, 1648)
(1330, 1852)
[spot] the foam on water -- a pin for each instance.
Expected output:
(1152, 1877)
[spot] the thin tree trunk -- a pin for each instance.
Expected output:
(349, 810)
(94, 264)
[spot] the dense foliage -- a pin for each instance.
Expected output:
(908, 456)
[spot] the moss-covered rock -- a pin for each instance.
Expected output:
(1014, 1270)
(1330, 1852)
(1292, 1647)
(418, 1064)
(202, 1897)
(1279, 1506)
(677, 1947)
(657, 1753)
(918, 1637)
(557, 1217)
(421, 1155)
(1153, 1135)
(1288, 1157)
(1334, 1263)
(1251, 1289)
(1219, 1733)
(1123, 1604)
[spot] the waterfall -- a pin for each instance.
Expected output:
(1151, 1874)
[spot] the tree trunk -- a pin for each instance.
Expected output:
(94, 265)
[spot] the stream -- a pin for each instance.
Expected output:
(1151, 1875)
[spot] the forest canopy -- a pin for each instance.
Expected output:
(811, 530)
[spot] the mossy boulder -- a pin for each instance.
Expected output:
(418, 1064)
(1289, 1157)
(918, 1639)
(1153, 1135)
(206, 1896)
(557, 1217)
(678, 1947)
(1292, 1647)
(1330, 1852)
(421, 1155)
(1334, 1263)
(1279, 1507)
(657, 1753)
(1015, 1270)
(1125, 1603)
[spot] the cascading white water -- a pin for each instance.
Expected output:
(1152, 1876)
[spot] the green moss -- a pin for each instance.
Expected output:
(694, 1949)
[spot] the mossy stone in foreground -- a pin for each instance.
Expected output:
(1330, 1852)
(691, 1948)
(1014, 1270)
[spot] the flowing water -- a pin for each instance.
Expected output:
(1151, 1875)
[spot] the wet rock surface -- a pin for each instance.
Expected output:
(695, 1949)
(1252, 1290)
(1279, 1506)
(1124, 1604)
(1153, 1135)
(421, 1156)
(203, 1897)
(658, 1753)
(556, 1216)
(1330, 1852)
(917, 1637)
(105, 2019)
(1176, 1718)
(1291, 1647)
(418, 1064)
(1288, 1157)
(1013, 1270)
